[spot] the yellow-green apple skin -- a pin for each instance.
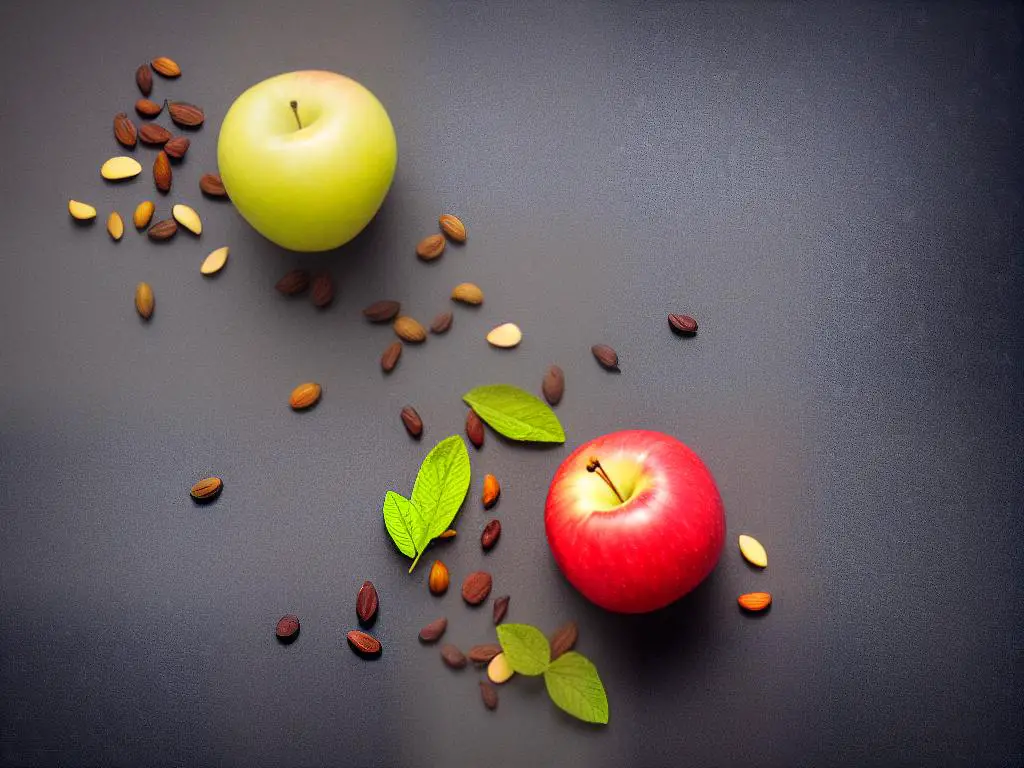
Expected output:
(311, 188)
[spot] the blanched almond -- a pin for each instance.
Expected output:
(215, 262)
(81, 211)
(752, 551)
(505, 336)
(188, 218)
(115, 225)
(499, 671)
(123, 167)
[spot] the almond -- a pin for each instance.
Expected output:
(115, 225)
(452, 656)
(165, 66)
(438, 579)
(177, 147)
(754, 601)
(474, 429)
(207, 489)
(124, 130)
(144, 79)
(752, 551)
(606, 356)
(505, 336)
(490, 535)
(366, 603)
(683, 325)
(323, 291)
(215, 262)
(410, 330)
(433, 631)
(186, 115)
(453, 227)
(163, 230)
(451, 533)
(468, 293)
(293, 283)
(306, 395)
(553, 385)
(364, 644)
(148, 108)
(162, 172)
(144, 300)
(500, 609)
(492, 489)
(211, 185)
(441, 323)
(476, 587)
(499, 671)
(482, 654)
(412, 421)
(154, 134)
(564, 639)
(389, 359)
(488, 695)
(143, 213)
(381, 311)
(81, 211)
(119, 168)
(188, 218)
(430, 247)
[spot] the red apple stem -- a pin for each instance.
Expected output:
(595, 466)
(295, 108)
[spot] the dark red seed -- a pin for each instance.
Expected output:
(683, 324)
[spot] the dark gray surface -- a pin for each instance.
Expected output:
(834, 192)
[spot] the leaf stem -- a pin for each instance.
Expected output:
(416, 560)
(595, 466)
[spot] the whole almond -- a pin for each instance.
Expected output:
(468, 293)
(755, 601)
(188, 218)
(474, 429)
(389, 359)
(433, 631)
(499, 670)
(500, 609)
(163, 230)
(482, 654)
(143, 214)
(165, 66)
(304, 396)
(412, 421)
(211, 184)
(438, 579)
(490, 535)
(364, 644)
(476, 587)
(287, 628)
(381, 311)
(120, 168)
(144, 300)
(162, 172)
(154, 134)
(293, 283)
(115, 225)
(505, 336)
(148, 108)
(81, 211)
(323, 291)
(606, 356)
(682, 324)
(144, 79)
(367, 603)
(124, 130)
(492, 489)
(489, 695)
(177, 147)
(441, 323)
(410, 330)
(186, 115)
(207, 489)
(452, 656)
(753, 551)
(430, 247)
(215, 262)
(553, 385)
(564, 639)
(453, 227)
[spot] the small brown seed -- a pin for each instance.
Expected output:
(367, 603)
(148, 108)
(553, 386)
(143, 213)
(293, 283)
(441, 323)
(490, 535)
(154, 134)
(476, 587)
(165, 66)
(489, 695)
(124, 130)
(433, 631)
(162, 172)
(211, 184)
(144, 79)
(564, 639)
(177, 147)
(606, 356)
(452, 656)
(207, 489)
(682, 324)
(468, 293)
(323, 291)
(364, 644)
(144, 300)
(162, 230)
(381, 311)
(186, 115)
(492, 489)
(413, 422)
(482, 654)
(389, 359)
(287, 627)
(439, 578)
(430, 247)
(500, 609)
(474, 429)
(409, 329)
(453, 227)
(304, 396)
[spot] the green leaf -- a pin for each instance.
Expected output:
(525, 647)
(516, 414)
(574, 685)
(441, 487)
(403, 522)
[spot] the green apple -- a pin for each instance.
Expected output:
(307, 158)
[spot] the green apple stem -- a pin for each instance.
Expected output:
(595, 466)
(295, 109)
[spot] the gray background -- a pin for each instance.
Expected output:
(833, 190)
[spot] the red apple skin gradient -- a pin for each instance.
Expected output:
(648, 552)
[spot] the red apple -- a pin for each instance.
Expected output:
(650, 547)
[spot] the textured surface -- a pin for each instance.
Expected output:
(833, 192)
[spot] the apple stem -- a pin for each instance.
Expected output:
(595, 466)
(295, 109)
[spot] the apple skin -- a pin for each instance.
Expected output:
(311, 189)
(644, 554)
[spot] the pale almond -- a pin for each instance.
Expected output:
(143, 214)
(115, 226)
(499, 670)
(118, 168)
(188, 218)
(753, 552)
(81, 211)
(505, 336)
(215, 262)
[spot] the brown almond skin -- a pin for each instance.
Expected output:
(382, 311)
(755, 601)
(287, 628)
(553, 385)
(305, 396)
(367, 603)
(207, 489)
(684, 325)
(153, 134)
(474, 429)
(492, 490)
(389, 359)
(564, 639)
(364, 644)
(186, 115)
(434, 630)
(489, 695)
(293, 283)
(323, 291)
(144, 79)
(430, 247)
(409, 329)
(490, 535)
(211, 184)
(177, 147)
(476, 587)
(453, 227)
(124, 130)
(162, 230)
(452, 656)
(148, 108)
(500, 609)
(482, 654)
(606, 356)
(442, 323)
(162, 172)
(165, 66)
(468, 293)
(412, 421)
(144, 300)
(438, 579)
